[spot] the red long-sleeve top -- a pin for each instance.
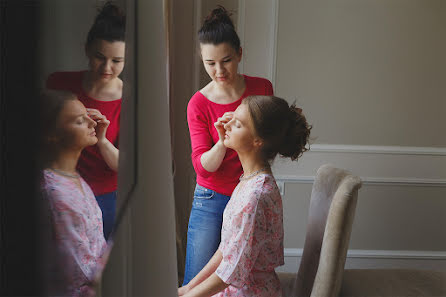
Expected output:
(201, 116)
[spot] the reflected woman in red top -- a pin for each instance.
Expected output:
(100, 89)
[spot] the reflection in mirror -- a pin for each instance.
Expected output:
(81, 122)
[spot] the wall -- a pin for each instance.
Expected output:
(369, 76)
(64, 28)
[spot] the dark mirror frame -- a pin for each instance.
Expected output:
(22, 247)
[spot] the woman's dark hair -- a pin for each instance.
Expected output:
(109, 25)
(283, 128)
(218, 28)
(51, 103)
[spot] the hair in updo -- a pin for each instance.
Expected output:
(283, 128)
(109, 25)
(219, 28)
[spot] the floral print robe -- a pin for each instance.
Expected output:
(78, 232)
(252, 239)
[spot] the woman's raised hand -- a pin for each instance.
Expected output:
(219, 124)
(102, 123)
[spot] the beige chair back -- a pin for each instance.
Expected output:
(332, 208)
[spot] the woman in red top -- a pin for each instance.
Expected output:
(218, 168)
(100, 89)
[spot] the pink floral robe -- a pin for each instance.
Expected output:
(252, 240)
(78, 231)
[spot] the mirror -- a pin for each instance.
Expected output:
(70, 61)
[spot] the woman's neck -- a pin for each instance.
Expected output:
(66, 161)
(225, 94)
(109, 90)
(252, 162)
(232, 90)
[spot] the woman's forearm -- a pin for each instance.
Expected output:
(211, 160)
(110, 153)
(207, 270)
(209, 287)
(206, 282)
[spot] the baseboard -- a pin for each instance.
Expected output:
(377, 259)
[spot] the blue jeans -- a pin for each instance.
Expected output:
(204, 231)
(107, 203)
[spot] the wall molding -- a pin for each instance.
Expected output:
(381, 254)
(198, 7)
(273, 44)
(375, 149)
(379, 181)
(377, 259)
(241, 30)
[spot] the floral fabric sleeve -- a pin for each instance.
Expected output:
(241, 248)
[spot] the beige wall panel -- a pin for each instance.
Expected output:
(387, 217)
(365, 72)
(398, 218)
(296, 202)
(258, 28)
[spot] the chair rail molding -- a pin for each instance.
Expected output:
(380, 254)
(376, 259)
(371, 181)
(376, 149)
(376, 165)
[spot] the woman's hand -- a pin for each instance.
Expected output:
(183, 290)
(102, 123)
(219, 124)
(108, 151)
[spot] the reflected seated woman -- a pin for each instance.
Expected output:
(76, 219)
(251, 244)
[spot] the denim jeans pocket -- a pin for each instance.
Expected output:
(203, 193)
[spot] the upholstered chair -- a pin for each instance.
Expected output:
(321, 272)
(332, 208)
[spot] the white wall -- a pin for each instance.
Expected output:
(369, 76)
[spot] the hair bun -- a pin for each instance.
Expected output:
(109, 10)
(283, 128)
(219, 15)
(108, 25)
(218, 28)
(297, 135)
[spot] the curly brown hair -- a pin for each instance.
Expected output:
(283, 128)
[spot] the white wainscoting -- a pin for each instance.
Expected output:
(376, 165)
(370, 259)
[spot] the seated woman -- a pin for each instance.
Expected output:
(76, 219)
(252, 234)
